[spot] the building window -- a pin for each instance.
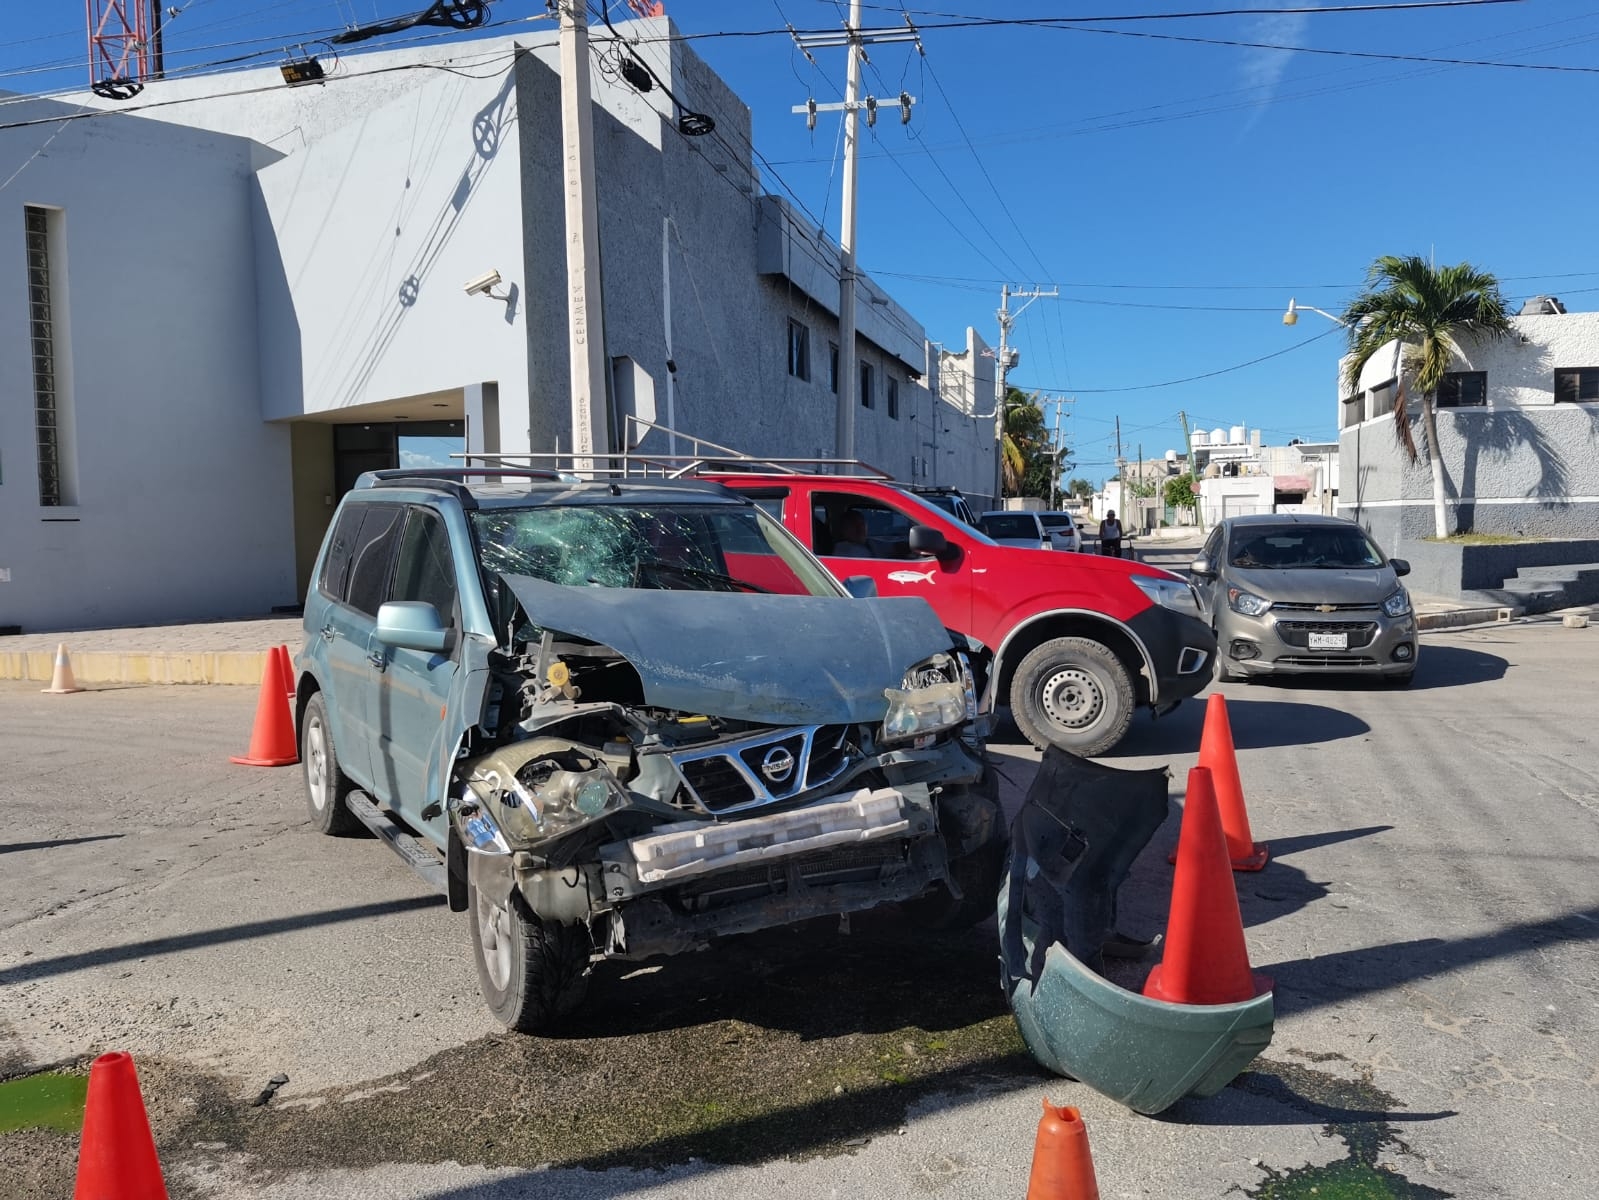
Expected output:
(1577, 385)
(1350, 411)
(52, 414)
(1380, 400)
(892, 385)
(832, 367)
(866, 385)
(1463, 389)
(799, 350)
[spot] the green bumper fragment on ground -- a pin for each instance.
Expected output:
(1072, 843)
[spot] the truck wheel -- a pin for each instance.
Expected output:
(1073, 693)
(326, 785)
(532, 974)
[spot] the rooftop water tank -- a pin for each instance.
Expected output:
(1171, 456)
(1218, 436)
(1238, 435)
(1199, 438)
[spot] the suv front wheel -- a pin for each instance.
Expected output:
(1073, 693)
(532, 973)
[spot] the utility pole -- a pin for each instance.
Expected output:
(585, 319)
(1004, 359)
(856, 39)
(1193, 480)
(158, 67)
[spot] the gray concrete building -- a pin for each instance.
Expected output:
(1518, 430)
(217, 311)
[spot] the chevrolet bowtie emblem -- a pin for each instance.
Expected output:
(1324, 608)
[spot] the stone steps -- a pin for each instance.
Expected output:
(1543, 589)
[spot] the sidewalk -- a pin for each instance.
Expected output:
(207, 652)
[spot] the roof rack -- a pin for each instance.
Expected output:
(445, 479)
(705, 457)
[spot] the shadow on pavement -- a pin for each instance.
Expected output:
(18, 847)
(1256, 725)
(1281, 847)
(1307, 983)
(886, 974)
(1438, 667)
(65, 964)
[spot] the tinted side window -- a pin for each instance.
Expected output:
(341, 548)
(425, 570)
(374, 552)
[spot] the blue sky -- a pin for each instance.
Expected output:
(1177, 193)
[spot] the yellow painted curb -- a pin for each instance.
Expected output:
(224, 667)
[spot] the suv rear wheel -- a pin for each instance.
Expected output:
(532, 974)
(326, 785)
(1073, 693)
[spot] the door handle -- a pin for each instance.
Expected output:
(329, 633)
(377, 659)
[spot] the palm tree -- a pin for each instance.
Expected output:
(1024, 439)
(1425, 311)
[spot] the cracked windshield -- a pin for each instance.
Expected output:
(677, 549)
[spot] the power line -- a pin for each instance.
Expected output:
(1146, 387)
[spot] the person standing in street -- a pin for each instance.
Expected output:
(1110, 535)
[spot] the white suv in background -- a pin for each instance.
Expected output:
(1062, 530)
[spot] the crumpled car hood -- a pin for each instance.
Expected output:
(774, 660)
(1341, 585)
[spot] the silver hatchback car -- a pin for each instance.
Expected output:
(1289, 593)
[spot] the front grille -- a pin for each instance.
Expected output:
(1297, 633)
(1330, 662)
(1282, 606)
(743, 773)
(718, 783)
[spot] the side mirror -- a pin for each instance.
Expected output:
(924, 539)
(862, 587)
(412, 625)
(1400, 566)
(1202, 567)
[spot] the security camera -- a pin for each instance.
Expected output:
(483, 284)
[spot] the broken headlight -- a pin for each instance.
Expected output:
(559, 800)
(936, 695)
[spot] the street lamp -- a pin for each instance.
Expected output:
(1291, 317)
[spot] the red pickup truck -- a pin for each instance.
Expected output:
(1079, 641)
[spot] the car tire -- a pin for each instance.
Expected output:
(977, 873)
(326, 784)
(532, 973)
(1073, 693)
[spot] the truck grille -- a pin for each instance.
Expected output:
(1297, 633)
(1282, 606)
(766, 768)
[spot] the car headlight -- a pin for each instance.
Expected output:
(544, 800)
(936, 695)
(1169, 593)
(1247, 603)
(1397, 605)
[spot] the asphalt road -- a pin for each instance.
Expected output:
(1429, 917)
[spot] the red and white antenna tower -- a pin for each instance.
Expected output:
(124, 46)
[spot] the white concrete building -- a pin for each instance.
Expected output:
(216, 320)
(1518, 423)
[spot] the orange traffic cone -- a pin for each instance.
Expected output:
(285, 665)
(1216, 752)
(116, 1158)
(272, 739)
(1063, 1166)
(1206, 961)
(61, 681)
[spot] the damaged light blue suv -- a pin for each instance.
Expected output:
(615, 720)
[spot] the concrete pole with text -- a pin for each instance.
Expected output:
(848, 381)
(586, 321)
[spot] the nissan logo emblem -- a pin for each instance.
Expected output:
(778, 764)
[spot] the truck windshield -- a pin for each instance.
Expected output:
(705, 548)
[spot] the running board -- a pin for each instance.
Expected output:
(417, 854)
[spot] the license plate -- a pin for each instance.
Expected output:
(1329, 641)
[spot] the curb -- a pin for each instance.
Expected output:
(241, 667)
(1456, 618)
